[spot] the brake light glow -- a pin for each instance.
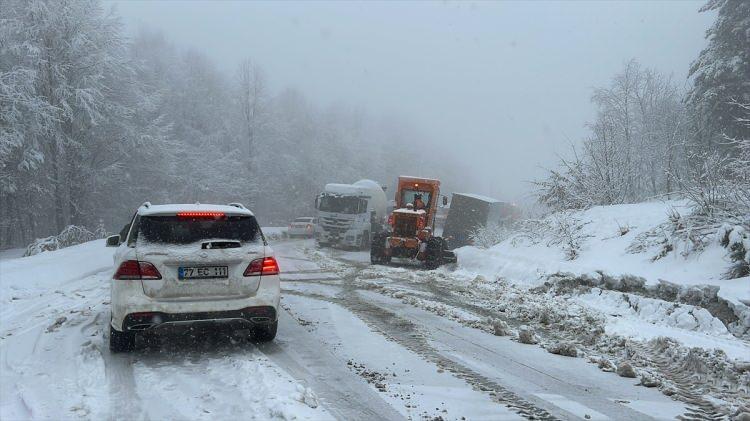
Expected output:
(390, 219)
(135, 270)
(201, 214)
(420, 223)
(264, 266)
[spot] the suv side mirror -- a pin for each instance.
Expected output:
(445, 200)
(113, 240)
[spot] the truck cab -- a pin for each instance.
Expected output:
(348, 214)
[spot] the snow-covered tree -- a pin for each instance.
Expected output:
(721, 73)
(93, 124)
(636, 148)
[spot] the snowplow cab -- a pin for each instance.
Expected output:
(413, 190)
(412, 223)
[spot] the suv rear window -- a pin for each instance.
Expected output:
(303, 220)
(177, 230)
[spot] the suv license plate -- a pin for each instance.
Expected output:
(203, 272)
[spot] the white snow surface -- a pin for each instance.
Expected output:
(646, 318)
(479, 197)
(410, 211)
(605, 251)
(630, 315)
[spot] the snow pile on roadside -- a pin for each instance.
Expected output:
(42, 273)
(606, 237)
(654, 311)
(650, 339)
(274, 233)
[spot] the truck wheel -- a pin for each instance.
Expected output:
(265, 332)
(434, 253)
(121, 341)
(377, 249)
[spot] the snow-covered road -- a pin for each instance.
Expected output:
(345, 350)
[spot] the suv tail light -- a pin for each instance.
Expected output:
(264, 266)
(135, 270)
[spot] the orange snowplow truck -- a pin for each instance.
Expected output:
(411, 226)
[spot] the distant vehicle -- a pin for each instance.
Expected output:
(302, 227)
(412, 223)
(192, 264)
(470, 211)
(348, 214)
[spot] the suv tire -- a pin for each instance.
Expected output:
(265, 332)
(121, 341)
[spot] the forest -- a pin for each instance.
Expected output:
(93, 123)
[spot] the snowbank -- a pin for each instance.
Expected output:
(608, 232)
(22, 276)
(274, 233)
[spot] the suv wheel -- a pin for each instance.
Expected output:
(265, 332)
(121, 341)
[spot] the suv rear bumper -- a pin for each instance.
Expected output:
(130, 307)
(152, 320)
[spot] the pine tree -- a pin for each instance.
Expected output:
(722, 73)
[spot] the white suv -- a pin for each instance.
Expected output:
(185, 264)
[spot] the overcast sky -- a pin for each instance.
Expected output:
(504, 85)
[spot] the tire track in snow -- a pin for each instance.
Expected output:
(408, 335)
(124, 401)
(342, 393)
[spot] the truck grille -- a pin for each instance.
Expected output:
(335, 225)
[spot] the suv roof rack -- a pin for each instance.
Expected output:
(238, 205)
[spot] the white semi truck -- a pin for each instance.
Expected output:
(348, 214)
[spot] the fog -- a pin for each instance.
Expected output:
(501, 86)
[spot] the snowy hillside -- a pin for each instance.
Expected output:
(678, 295)
(607, 235)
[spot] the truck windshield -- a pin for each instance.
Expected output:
(342, 204)
(176, 230)
(409, 196)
